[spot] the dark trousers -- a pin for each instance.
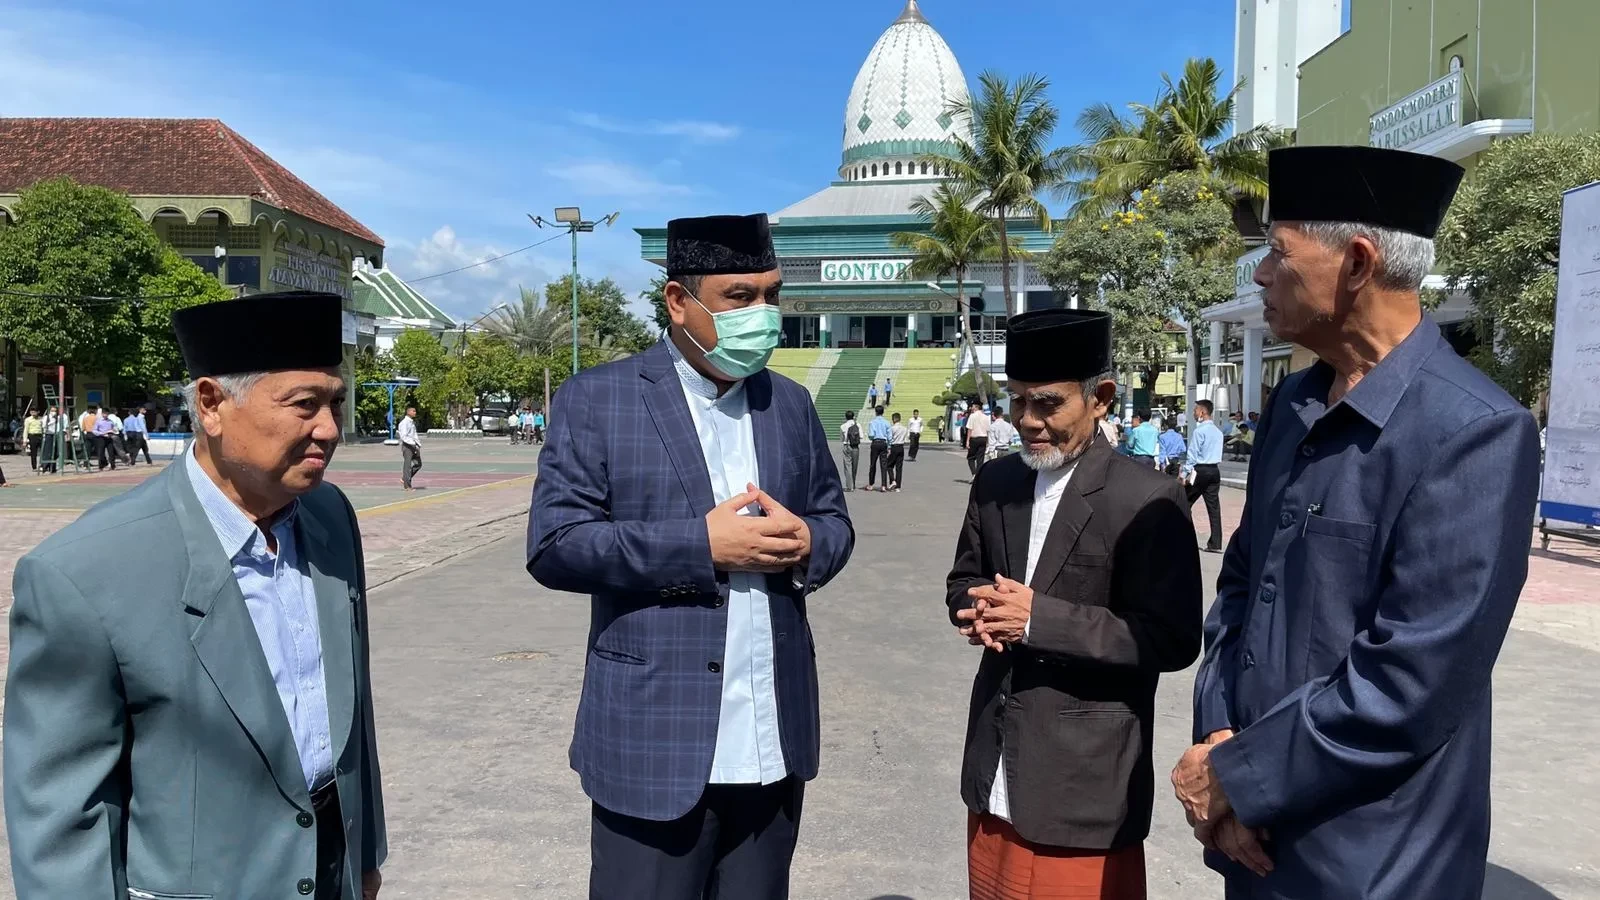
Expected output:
(100, 445)
(916, 441)
(35, 441)
(895, 470)
(134, 442)
(47, 462)
(976, 446)
(879, 459)
(330, 843)
(410, 462)
(1208, 483)
(736, 844)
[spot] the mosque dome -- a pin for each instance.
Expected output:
(899, 107)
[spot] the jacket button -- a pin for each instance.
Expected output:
(306, 886)
(713, 667)
(1285, 518)
(666, 592)
(1268, 593)
(1249, 660)
(718, 603)
(305, 820)
(1308, 451)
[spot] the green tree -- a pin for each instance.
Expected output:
(958, 235)
(1007, 160)
(372, 403)
(1501, 243)
(149, 354)
(82, 251)
(603, 315)
(1189, 128)
(656, 296)
(418, 354)
(972, 383)
(491, 367)
(1162, 261)
(533, 326)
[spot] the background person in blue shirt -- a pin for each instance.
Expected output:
(1171, 448)
(878, 433)
(1201, 470)
(1142, 439)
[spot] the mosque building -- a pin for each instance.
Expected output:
(844, 280)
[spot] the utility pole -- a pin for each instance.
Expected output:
(572, 218)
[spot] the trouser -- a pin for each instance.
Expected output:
(888, 397)
(35, 441)
(895, 471)
(975, 450)
(879, 460)
(1148, 462)
(119, 449)
(135, 442)
(1208, 484)
(916, 441)
(410, 462)
(100, 445)
(538, 433)
(47, 461)
(736, 844)
(852, 458)
(2, 477)
(330, 843)
(516, 434)
(1174, 468)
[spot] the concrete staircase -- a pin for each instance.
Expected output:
(845, 388)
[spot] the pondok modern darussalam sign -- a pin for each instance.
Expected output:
(1424, 114)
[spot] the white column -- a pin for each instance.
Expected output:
(1251, 388)
(1214, 375)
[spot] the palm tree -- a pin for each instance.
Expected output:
(1185, 130)
(1006, 160)
(534, 327)
(958, 235)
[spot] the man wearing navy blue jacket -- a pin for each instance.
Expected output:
(693, 494)
(1342, 713)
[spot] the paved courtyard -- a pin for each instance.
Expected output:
(478, 670)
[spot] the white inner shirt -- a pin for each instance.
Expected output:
(1047, 491)
(748, 747)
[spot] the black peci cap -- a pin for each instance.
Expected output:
(1058, 345)
(720, 245)
(1387, 188)
(262, 333)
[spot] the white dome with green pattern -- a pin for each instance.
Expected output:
(899, 108)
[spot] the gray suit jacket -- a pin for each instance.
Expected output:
(146, 751)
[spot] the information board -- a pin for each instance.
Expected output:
(1571, 490)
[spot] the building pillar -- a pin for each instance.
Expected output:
(1215, 376)
(911, 331)
(824, 333)
(1250, 388)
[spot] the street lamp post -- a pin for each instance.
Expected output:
(572, 218)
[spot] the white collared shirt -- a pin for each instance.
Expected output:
(749, 750)
(1047, 491)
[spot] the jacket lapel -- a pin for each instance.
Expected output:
(1072, 515)
(335, 607)
(663, 397)
(227, 644)
(767, 427)
(1016, 521)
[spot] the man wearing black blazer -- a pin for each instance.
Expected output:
(1077, 571)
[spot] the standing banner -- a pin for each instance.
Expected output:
(1571, 490)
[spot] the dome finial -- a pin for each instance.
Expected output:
(912, 13)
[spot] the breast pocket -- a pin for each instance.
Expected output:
(1334, 576)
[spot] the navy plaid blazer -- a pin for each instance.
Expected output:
(619, 513)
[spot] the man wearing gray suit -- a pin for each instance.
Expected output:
(206, 731)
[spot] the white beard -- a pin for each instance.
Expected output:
(1053, 458)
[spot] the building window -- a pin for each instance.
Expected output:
(924, 168)
(897, 169)
(209, 263)
(874, 170)
(245, 270)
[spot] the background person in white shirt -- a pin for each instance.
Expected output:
(410, 448)
(915, 427)
(895, 468)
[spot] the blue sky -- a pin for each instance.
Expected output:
(440, 125)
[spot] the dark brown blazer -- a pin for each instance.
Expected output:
(1117, 601)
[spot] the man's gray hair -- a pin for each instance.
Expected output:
(1090, 385)
(237, 387)
(1405, 259)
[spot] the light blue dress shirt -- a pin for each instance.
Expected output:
(134, 425)
(1171, 446)
(282, 601)
(1205, 447)
(878, 429)
(748, 747)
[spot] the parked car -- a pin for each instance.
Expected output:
(491, 419)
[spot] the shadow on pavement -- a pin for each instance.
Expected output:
(1500, 883)
(893, 897)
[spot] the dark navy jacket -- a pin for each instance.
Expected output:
(1360, 609)
(619, 512)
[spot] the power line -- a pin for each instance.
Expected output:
(484, 262)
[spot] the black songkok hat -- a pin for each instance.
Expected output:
(720, 245)
(1058, 345)
(262, 333)
(1367, 185)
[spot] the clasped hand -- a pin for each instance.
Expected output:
(1194, 780)
(775, 541)
(999, 613)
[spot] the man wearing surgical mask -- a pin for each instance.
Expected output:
(698, 504)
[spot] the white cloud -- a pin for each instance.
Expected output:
(694, 130)
(471, 292)
(617, 180)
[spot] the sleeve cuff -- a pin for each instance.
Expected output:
(1243, 783)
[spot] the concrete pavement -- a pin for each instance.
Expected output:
(478, 671)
